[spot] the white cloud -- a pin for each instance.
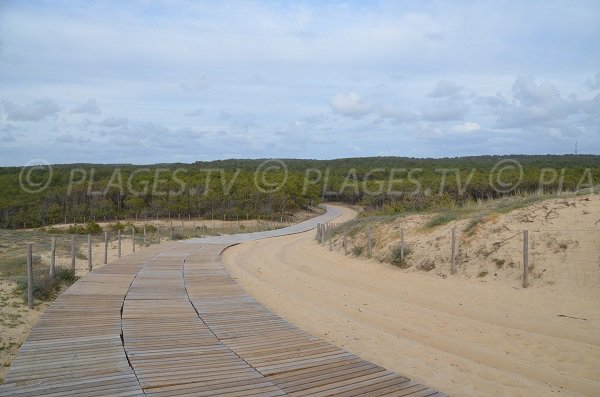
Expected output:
(534, 105)
(350, 105)
(34, 111)
(468, 127)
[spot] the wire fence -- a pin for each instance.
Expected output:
(563, 257)
(43, 254)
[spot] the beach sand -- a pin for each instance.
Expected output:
(466, 335)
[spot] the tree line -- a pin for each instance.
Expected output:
(227, 189)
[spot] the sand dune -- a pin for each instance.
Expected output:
(459, 334)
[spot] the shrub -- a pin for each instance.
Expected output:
(396, 256)
(482, 273)
(44, 287)
(499, 262)
(472, 226)
(117, 226)
(426, 265)
(356, 251)
(440, 219)
(178, 236)
(90, 228)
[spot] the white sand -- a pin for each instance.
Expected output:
(459, 334)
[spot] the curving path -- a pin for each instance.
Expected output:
(171, 321)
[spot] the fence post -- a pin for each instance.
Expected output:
(145, 235)
(453, 257)
(370, 241)
(158, 232)
(119, 243)
(171, 230)
(318, 231)
(181, 228)
(330, 242)
(52, 256)
(194, 226)
(105, 248)
(89, 241)
(133, 238)
(525, 258)
(73, 252)
(29, 276)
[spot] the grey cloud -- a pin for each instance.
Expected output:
(88, 107)
(200, 85)
(35, 111)
(114, 122)
(446, 89)
(64, 138)
(445, 111)
(8, 137)
(436, 36)
(594, 82)
(195, 112)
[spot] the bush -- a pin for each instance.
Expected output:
(440, 219)
(90, 228)
(396, 256)
(178, 236)
(356, 251)
(472, 226)
(44, 287)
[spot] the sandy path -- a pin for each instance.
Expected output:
(463, 337)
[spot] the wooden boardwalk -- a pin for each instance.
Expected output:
(170, 321)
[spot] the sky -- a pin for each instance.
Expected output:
(144, 82)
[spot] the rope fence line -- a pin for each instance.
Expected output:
(554, 260)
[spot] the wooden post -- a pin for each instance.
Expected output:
(145, 245)
(119, 243)
(525, 258)
(133, 238)
(369, 241)
(171, 230)
(89, 252)
(330, 242)
(402, 245)
(158, 232)
(105, 248)
(318, 231)
(73, 252)
(453, 257)
(181, 228)
(29, 276)
(52, 256)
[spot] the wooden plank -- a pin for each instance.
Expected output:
(170, 321)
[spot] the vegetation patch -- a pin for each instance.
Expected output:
(356, 250)
(440, 219)
(396, 256)
(44, 287)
